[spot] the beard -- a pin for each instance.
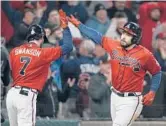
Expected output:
(126, 45)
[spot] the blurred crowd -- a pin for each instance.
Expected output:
(78, 86)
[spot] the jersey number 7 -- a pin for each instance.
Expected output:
(26, 60)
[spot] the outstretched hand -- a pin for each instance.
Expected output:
(71, 82)
(63, 19)
(74, 20)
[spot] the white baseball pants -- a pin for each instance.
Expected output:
(124, 110)
(21, 108)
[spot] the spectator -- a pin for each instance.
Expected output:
(72, 68)
(22, 28)
(5, 68)
(91, 5)
(84, 63)
(22, 20)
(121, 6)
(82, 101)
(77, 9)
(5, 73)
(99, 20)
(47, 28)
(117, 22)
(151, 14)
(99, 52)
(160, 52)
(158, 29)
(56, 35)
(51, 6)
(48, 100)
(99, 93)
(16, 16)
(53, 17)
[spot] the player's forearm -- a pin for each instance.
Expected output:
(91, 33)
(156, 81)
(67, 42)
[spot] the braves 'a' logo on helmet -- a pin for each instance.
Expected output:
(135, 30)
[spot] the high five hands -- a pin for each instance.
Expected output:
(64, 19)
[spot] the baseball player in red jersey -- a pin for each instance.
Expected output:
(129, 63)
(30, 65)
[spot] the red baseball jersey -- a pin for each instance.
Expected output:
(30, 64)
(129, 67)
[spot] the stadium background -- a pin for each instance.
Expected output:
(75, 108)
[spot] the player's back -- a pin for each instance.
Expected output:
(30, 65)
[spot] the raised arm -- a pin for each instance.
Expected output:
(67, 46)
(67, 38)
(96, 37)
(13, 15)
(87, 31)
(67, 42)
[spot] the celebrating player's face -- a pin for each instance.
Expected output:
(125, 39)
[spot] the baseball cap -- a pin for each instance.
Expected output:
(99, 7)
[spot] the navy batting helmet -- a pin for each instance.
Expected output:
(135, 30)
(36, 32)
